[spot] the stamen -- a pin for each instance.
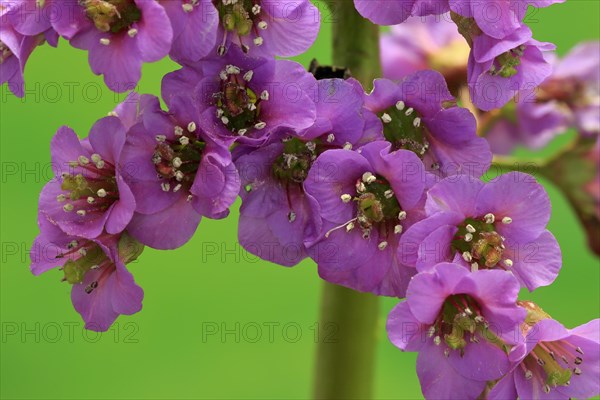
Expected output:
(386, 118)
(346, 198)
(398, 229)
(330, 138)
(489, 218)
(507, 220)
(382, 246)
(400, 105)
(402, 215)
(191, 127)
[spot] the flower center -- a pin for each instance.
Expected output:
(480, 244)
(238, 106)
(5, 52)
(553, 364)
(112, 15)
(177, 161)
(460, 322)
(506, 64)
(295, 161)
(376, 208)
(402, 127)
(91, 188)
(241, 18)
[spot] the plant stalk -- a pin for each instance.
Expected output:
(345, 364)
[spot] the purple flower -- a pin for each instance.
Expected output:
(498, 225)
(15, 49)
(88, 195)
(570, 97)
(391, 12)
(277, 215)
(366, 199)
(553, 363)
(501, 68)
(284, 28)
(419, 114)
(497, 18)
(177, 173)
(195, 28)
(457, 321)
(119, 34)
(247, 99)
(103, 288)
(422, 43)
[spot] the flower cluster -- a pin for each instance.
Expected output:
(504, 58)
(382, 188)
(121, 35)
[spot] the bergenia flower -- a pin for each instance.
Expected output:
(501, 68)
(247, 99)
(391, 12)
(498, 225)
(195, 28)
(177, 173)
(366, 199)
(553, 363)
(422, 43)
(277, 216)
(88, 195)
(15, 49)
(103, 288)
(458, 322)
(497, 18)
(119, 35)
(419, 114)
(570, 97)
(284, 28)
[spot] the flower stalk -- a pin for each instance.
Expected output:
(345, 365)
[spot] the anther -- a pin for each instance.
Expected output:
(437, 340)
(409, 111)
(382, 245)
(68, 207)
(184, 140)
(248, 76)
(187, 7)
(388, 194)
(402, 215)
(470, 229)
(506, 220)
(262, 25)
(398, 229)
(508, 262)
(81, 213)
(400, 105)
(260, 125)
(346, 198)
(330, 138)
(160, 138)
(264, 95)
(489, 218)
(83, 160)
(177, 130)
(101, 193)
(468, 237)
(132, 32)
(291, 216)
(191, 127)
(165, 186)
(417, 122)
(467, 256)
(177, 162)
(105, 41)
(474, 267)
(386, 118)
(347, 146)
(61, 198)
(91, 200)
(258, 41)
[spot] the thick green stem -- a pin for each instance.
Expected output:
(355, 42)
(345, 365)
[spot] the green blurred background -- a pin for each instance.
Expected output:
(217, 323)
